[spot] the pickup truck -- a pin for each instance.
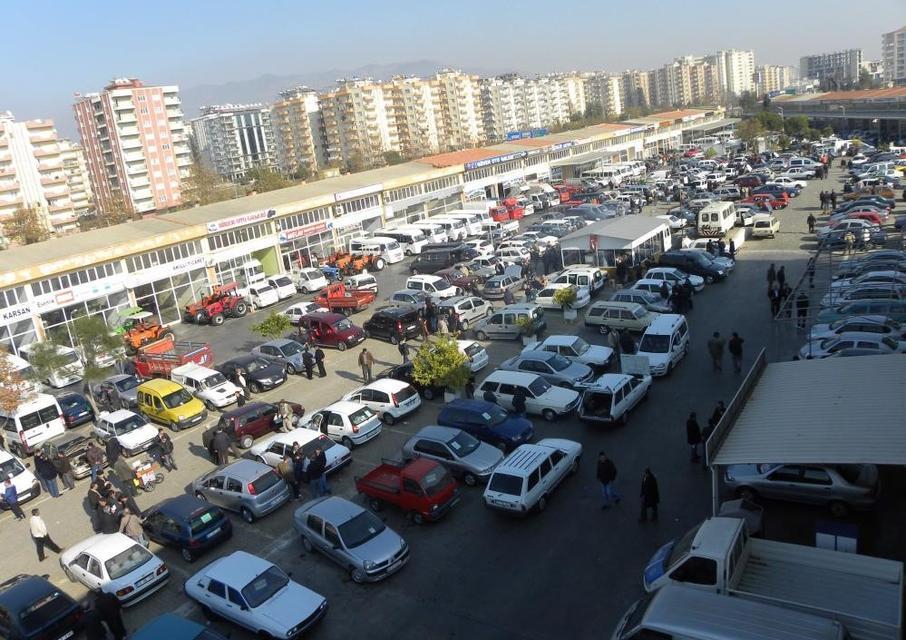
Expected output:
(339, 299)
(862, 592)
(158, 359)
(422, 488)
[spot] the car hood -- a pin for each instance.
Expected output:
(290, 606)
(656, 567)
(380, 548)
(270, 371)
(576, 371)
(138, 436)
(558, 397)
(513, 427)
(597, 354)
(484, 458)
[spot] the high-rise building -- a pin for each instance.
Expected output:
(735, 69)
(457, 108)
(606, 91)
(358, 125)
(76, 170)
(503, 105)
(136, 145)
(893, 56)
(638, 88)
(299, 130)
(235, 138)
(834, 70)
(32, 173)
(546, 101)
(411, 106)
(689, 80)
(574, 88)
(772, 77)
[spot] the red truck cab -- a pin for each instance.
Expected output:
(157, 359)
(515, 211)
(422, 488)
(330, 330)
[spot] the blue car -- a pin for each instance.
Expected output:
(488, 422)
(76, 409)
(191, 525)
(173, 627)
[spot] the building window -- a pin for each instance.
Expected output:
(61, 283)
(360, 204)
(234, 236)
(163, 256)
(12, 297)
(304, 218)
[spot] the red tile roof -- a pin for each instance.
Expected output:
(458, 157)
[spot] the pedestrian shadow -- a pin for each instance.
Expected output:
(348, 375)
(199, 451)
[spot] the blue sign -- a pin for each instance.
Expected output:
(538, 133)
(518, 135)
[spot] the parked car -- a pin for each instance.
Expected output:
(190, 525)
(651, 301)
(612, 396)
(435, 286)
(841, 487)
(72, 445)
(27, 485)
(121, 389)
(475, 352)
(271, 449)
(871, 277)
(468, 309)
(283, 285)
(349, 423)
(296, 311)
(76, 409)
(488, 422)
(576, 349)
(246, 486)
(614, 315)
(495, 287)
(257, 595)
(410, 297)
(351, 536)
(392, 400)
(174, 627)
(881, 291)
(504, 323)
(824, 347)
(894, 309)
(545, 297)
(673, 276)
(208, 385)
(284, 352)
(310, 280)
(260, 374)
(331, 330)
(466, 457)
(32, 608)
(652, 286)
(364, 281)
(115, 563)
(553, 367)
(133, 433)
(726, 263)
(693, 263)
(881, 325)
(246, 423)
(541, 397)
(394, 324)
(422, 489)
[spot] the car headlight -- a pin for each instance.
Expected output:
(368, 565)
(180, 417)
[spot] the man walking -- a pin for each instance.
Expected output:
(319, 360)
(39, 535)
(649, 495)
(716, 349)
(366, 361)
(811, 220)
(772, 275)
(850, 239)
(693, 436)
(734, 346)
(403, 348)
(822, 197)
(221, 445)
(774, 297)
(810, 272)
(833, 200)
(781, 276)
(11, 499)
(308, 361)
(606, 474)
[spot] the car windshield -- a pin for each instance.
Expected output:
(256, 364)
(131, 423)
(127, 561)
(71, 402)
(539, 387)
(494, 415)
(291, 349)
(267, 289)
(654, 343)
(342, 325)
(505, 483)
(360, 529)
(201, 520)
(311, 274)
(264, 586)
(558, 362)
(473, 349)
(435, 480)
(213, 380)
(127, 383)
(360, 416)
(177, 398)
(10, 468)
(264, 482)
(49, 607)
(682, 546)
(462, 444)
(580, 347)
(283, 282)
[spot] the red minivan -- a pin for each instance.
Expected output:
(331, 330)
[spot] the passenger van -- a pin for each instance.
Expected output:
(764, 225)
(169, 403)
(503, 322)
(70, 373)
(456, 229)
(682, 612)
(665, 342)
(716, 219)
(410, 239)
(471, 219)
(434, 231)
(32, 423)
(605, 175)
(381, 247)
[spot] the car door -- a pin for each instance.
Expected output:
(781, 482)
(815, 485)
(213, 490)
(559, 466)
(217, 600)
(232, 493)
(103, 430)
(620, 402)
(505, 393)
(480, 308)
(336, 426)
(435, 451)
(87, 570)
(271, 353)
(153, 525)
(274, 453)
(156, 407)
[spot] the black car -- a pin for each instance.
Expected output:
(260, 374)
(191, 525)
(31, 608)
(694, 263)
(393, 324)
(76, 409)
(404, 372)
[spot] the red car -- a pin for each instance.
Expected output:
(871, 216)
(776, 202)
(330, 330)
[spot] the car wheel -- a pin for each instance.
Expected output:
(464, 325)
(549, 414)
(379, 264)
(394, 339)
(747, 493)
(174, 427)
(574, 467)
(357, 575)
(481, 335)
(209, 405)
(307, 545)
(201, 496)
(186, 555)
(388, 418)
(290, 370)
(254, 387)
(374, 504)
(542, 503)
(603, 329)
(417, 518)
(838, 509)
(247, 515)
(206, 612)
(217, 319)
(469, 479)
(347, 442)
(428, 393)
(341, 346)
(246, 441)
(200, 318)
(709, 279)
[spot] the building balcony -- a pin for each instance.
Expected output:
(44, 153)
(126, 118)
(60, 208)
(128, 131)
(131, 143)
(123, 105)
(11, 185)
(49, 180)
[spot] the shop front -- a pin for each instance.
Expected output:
(166, 289)
(228, 263)
(305, 246)
(103, 298)
(17, 326)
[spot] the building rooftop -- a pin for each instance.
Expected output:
(891, 93)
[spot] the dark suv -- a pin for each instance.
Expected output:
(393, 324)
(31, 608)
(433, 260)
(260, 374)
(191, 525)
(694, 263)
(246, 423)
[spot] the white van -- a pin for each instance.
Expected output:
(605, 175)
(715, 219)
(20, 367)
(665, 342)
(764, 225)
(31, 423)
(434, 231)
(70, 373)
(208, 385)
(410, 239)
(471, 219)
(456, 229)
(583, 276)
(382, 248)
(309, 280)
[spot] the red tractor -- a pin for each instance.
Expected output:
(224, 301)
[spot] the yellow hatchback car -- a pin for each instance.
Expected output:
(170, 403)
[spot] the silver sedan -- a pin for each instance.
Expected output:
(553, 367)
(461, 453)
(825, 347)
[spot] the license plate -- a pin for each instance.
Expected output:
(84, 413)
(68, 634)
(214, 533)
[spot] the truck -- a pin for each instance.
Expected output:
(158, 359)
(862, 592)
(421, 488)
(339, 299)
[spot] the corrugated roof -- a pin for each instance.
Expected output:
(582, 158)
(676, 114)
(628, 228)
(836, 410)
(458, 157)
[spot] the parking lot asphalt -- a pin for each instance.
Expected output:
(568, 572)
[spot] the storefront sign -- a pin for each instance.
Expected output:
(562, 145)
(79, 293)
(14, 313)
(357, 217)
(164, 270)
(238, 221)
(305, 231)
(487, 162)
(358, 193)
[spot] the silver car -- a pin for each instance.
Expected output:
(410, 297)
(462, 454)
(283, 351)
(351, 536)
(122, 390)
(553, 367)
(248, 487)
(651, 301)
(867, 324)
(825, 347)
(840, 487)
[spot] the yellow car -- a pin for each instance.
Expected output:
(170, 403)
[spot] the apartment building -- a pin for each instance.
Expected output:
(546, 102)
(359, 128)
(136, 145)
(411, 106)
(639, 88)
(606, 91)
(76, 170)
(835, 70)
(299, 131)
(32, 173)
(893, 56)
(689, 80)
(772, 77)
(503, 105)
(574, 88)
(457, 109)
(232, 139)
(735, 69)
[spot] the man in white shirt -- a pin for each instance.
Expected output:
(40, 536)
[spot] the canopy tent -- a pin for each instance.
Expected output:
(633, 238)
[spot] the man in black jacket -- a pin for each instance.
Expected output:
(113, 449)
(606, 474)
(650, 496)
(319, 360)
(165, 445)
(317, 469)
(46, 473)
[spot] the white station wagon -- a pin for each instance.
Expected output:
(391, 399)
(541, 397)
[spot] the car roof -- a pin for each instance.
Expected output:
(345, 406)
(386, 384)
(523, 459)
(174, 627)
(466, 404)
(105, 545)
(23, 590)
(182, 506)
(561, 339)
(610, 381)
(299, 434)
(512, 376)
(425, 278)
(394, 310)
(436, 432)
(160, 385)
(117, 377)
(117, 416)
(333, 509)
(237, 569)
(665, 321)
(278, 342)
(543, 356)
(246, 408)
(243, 469)
(329, 318)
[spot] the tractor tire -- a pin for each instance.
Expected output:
(201, 317)
(217, 319)
(241, 309)
(379, 264)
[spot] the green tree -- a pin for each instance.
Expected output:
(393, 157)
(45, 359)
(302, 172)
(827, 131)
(594, 111)
(865, 79)
(203, 186)
(770, 121)
(263, 179)
(275, 325)
(440, 363)
(710, 152)
(749, 131)
(783, 141)
(95, 342)
(795, 125)
(26, 226)
(748, 101)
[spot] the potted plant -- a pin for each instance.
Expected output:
(566, 297)
(440, 363)
(526, 329)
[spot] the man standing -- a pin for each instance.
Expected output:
(108, 515)
(165, 446)
(627, 343)
(113, 449)
(320, 461)
(319, 360)
(772, 275)
(781, 276)
(11, 499)
(811, 220)
(39, 535)
(519, 402)
(774, 297)
(286, 416)
(833, 199)
(131, 525)
(649, 495)
(810, 271)
(716, 349)
(95, 458)
(46, 473)
(607, 473)
(403, 348)
(822, 197)
(801, 309)
(366, 361)
(221, 445)
(64, 468)
(125, 474)
(850, 239)
(285, 469)
(734, 346)
(693, 436)
(308, 361)
(110, 609)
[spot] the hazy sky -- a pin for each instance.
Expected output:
(51, 49)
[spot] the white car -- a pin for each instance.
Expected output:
(27, 485)
(822, 348)
(787, 181)
(541, 397)
(674, 276)
(545, 297)
(300, 309)
(257, 595)
(513, 254)
(468, 309)
(475, 352)
(868, 324)
(483, 247)
(350, 423)
(524, 480)
(891, 278)
(541, 239)
(799, 172)
(270, 450)
(115, 563)
(283, 285)
(612, 396)
(651, 286)
(208, 385)
(310, 280)
(576, 349)
(438, 288)
(673, 222)
(129, 429)
(364, 281)
(391, 399)
(261, 295)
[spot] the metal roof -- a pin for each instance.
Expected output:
(615, 233)
(582, 158)
(837, 410)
